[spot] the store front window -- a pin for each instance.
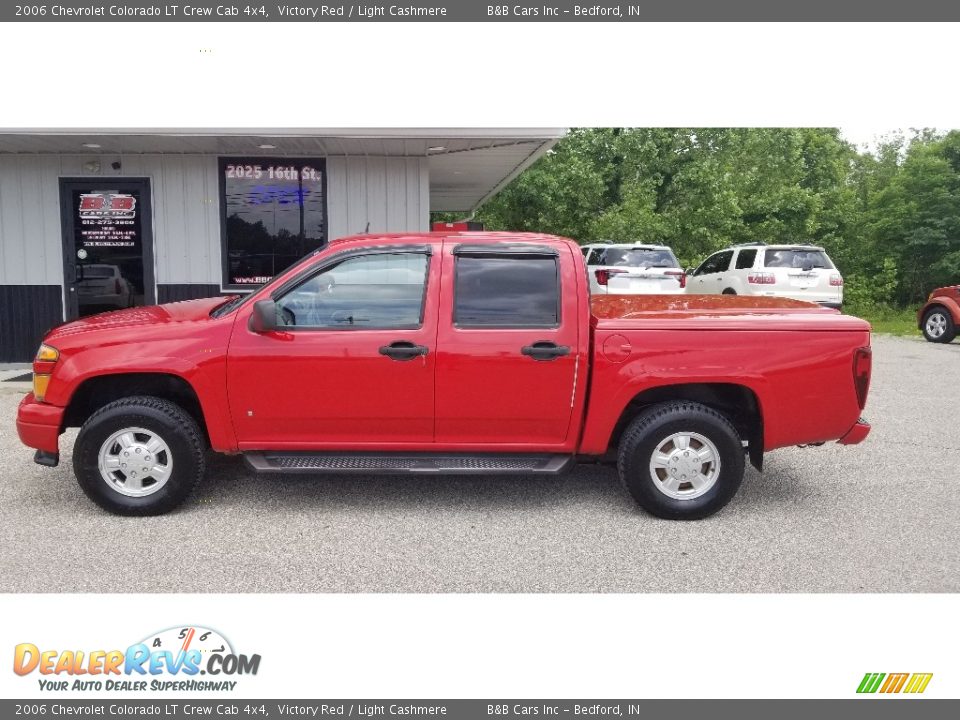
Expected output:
(273, 213)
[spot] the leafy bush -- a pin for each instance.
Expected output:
(868, 293)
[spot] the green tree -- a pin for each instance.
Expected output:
(915, 217)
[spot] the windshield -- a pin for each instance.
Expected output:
(635, 257)
(797, 258)
(235, 302)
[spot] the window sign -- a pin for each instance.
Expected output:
(274, 213)
(106, 219)
(107, 226)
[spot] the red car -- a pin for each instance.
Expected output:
(939, 318)
(479, 353)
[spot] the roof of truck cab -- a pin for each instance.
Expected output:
(473, 236)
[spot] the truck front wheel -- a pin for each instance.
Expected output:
(938, 326)
(681, 460)
(139, 456)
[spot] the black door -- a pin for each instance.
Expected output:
(107, 244)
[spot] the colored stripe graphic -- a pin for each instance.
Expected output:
(894, 682)
(918, 683)
(870, 682)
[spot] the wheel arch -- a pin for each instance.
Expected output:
(96, 391)
(945, 303)
(738, 402)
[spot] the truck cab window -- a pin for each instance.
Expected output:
(381, 291)
(500, 291)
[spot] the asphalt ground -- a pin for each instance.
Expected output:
(878, 517)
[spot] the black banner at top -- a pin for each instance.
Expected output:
(477, 11)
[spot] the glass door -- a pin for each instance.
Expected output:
(107, 243)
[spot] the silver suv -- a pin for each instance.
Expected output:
(802, 272)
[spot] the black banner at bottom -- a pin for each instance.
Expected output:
(874, 708)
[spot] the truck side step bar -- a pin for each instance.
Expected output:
(339, 463)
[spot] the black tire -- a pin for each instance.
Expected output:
(950, 331)
(170, 422)
(729, 291)
(652, 427)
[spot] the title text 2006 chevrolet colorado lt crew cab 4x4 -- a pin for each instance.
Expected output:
(473, 353)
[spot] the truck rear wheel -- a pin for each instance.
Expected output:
(139, 456)
(681, 460)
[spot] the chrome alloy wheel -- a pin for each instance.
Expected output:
(936, 325)
(135, 462)
(685, 465)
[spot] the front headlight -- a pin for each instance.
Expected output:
(43, 366)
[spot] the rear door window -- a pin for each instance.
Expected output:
(634, 257)
(745, 259)
(506, 291)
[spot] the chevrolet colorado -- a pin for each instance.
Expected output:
(474, 353)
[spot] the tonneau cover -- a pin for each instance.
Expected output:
(717, 312)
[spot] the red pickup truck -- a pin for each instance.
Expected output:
(465, 353)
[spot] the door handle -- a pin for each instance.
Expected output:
(403, 350)
(545, 350)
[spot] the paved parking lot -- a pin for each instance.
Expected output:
(879, 517)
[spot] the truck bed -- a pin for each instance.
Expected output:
(795, 358)
(717, 312)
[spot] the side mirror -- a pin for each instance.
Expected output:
(689, 270)
(264, 316)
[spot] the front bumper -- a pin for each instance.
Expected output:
(38, 425)
(857, 434)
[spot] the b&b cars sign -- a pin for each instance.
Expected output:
(106, 218)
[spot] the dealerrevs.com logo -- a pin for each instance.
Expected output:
(176, 659)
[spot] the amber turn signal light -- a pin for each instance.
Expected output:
(40, 383)
(42, 367)
(47, 354)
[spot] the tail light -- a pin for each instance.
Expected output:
(603, 276)
(680, 275)
(116, 287)
(836, 280)
(862, 365)
(42, 368)
(761, 278)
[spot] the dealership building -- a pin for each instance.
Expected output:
(99, 220)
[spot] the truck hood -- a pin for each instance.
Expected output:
(717, 312)
(186, 311)
(949, 291)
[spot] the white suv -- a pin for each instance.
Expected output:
(802, 272)
(633, 269)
